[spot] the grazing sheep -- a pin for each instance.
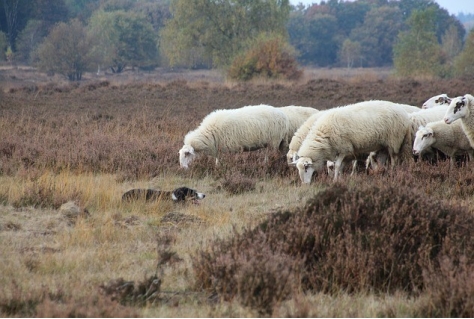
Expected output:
(449, 139)
(417, 119)
(299, 137)
(297, 115)
(436, 100)
(422, 118)
(244, 129)
(462, 107)
(352, 130)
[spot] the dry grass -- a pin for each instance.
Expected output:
(88, 143)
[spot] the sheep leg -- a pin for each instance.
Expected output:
(338, 165)
(354, 167)
(370, 162)
(470, 155)
(393, 158)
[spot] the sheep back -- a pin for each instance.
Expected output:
(410, 108)
(423, 117)
(297, 115)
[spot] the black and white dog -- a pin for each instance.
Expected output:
(178, 195)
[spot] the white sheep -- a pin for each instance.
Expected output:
(297, 115)
(352, 130)
(410, 108)
(437, 100)
(424, 117)
(244, 129)
(299, 137)
(417, 119)
(373, 159)
(449, 139)
(462, 107)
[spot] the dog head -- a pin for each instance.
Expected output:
(183, 194)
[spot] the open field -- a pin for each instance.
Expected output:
(90, 142)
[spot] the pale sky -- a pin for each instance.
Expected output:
(453, 6)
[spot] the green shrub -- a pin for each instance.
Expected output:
(464, 63)
(269, 57)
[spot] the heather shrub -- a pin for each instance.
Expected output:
(379, 238)
(450, 289)
(45, 303)
(129, 293)
(39, 195)
(244, 268)
(238, 184)
(269, 57)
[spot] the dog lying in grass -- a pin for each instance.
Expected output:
(179, 195)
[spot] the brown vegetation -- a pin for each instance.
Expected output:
(396, 243)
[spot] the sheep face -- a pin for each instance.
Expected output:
(306, 168)
(456, 110)
(424, 138)
(186, 156)
(436, 101)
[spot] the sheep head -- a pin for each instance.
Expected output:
(186, 156)
(436, 101)
(424, 138)
(457, 109)
(305, 169)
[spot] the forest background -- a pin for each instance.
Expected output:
(264, 38)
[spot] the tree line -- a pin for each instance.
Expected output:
(269, 38)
